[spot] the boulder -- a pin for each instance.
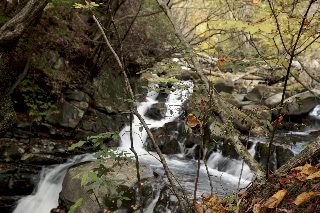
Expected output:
(121, 183)
(273, 100)
(259, 93)
(301, 103)
(157, 111)
(224, 86)
(260, 111)
(110, 92)
(68, 114)
(77, 95)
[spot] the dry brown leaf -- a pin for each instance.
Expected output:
(275, 199)
(314, 175)
(198, 207)
(256, 208)
(307, 169)
(192, 120)
(303, 197)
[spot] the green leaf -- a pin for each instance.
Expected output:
(84, 178)
(119, 203)
(75, 205)
(93, 176)
(79, 144)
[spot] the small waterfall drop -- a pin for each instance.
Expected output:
(45, 196)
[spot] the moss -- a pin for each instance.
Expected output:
(4, 19)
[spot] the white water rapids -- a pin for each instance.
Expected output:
(46, 194)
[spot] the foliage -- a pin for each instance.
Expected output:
(97, 177)
(38, 101)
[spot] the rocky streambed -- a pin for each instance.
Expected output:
(29, 147)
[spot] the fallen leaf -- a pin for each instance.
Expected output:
(274, 201)
(192, 120)
(256, 208)
(314, 175)
(307, 169)
(303, 197)
(198, 207)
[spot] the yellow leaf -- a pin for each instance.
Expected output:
(314, 175)
(274, 201)
(198, 207)
(192, 120)
(256, 208)
(303, 197)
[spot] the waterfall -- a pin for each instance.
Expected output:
(45, 196)
(173, 104)
(231, 166)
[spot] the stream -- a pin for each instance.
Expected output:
(46, 194)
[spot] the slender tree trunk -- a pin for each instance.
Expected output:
(10, 34)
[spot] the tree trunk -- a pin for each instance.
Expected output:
(10, 34)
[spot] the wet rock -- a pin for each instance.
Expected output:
(122, 183)
(68, 115)
(301, 103)
(260, 111)
(273, 100)
(78, 96)
(258, 94)
(157, 111)
(110, 93)
(283, 155)
(171, 147)
(226, 86)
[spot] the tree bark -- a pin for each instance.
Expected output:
(10, 34)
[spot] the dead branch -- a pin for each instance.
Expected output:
(144, 124)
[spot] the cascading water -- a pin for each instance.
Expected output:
(45, 196)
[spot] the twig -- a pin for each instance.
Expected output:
(137, 165)
(292, 55)
(145, 126)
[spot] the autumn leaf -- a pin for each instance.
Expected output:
(192, 120)
(314, 175)
(274, 201)
(303, 197)
(256, 208)
(198, 207)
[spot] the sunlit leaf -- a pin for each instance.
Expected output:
(275, 199)
(303, 197)
(75, 205)
(192, 120)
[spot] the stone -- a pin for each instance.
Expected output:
(68, 115)
(260, 111)
(273, 100)
(157, 111)
(301, 103)
(110, 92)
(258, 94)
(59, 64)
(224, 86)
(171, 147)
(124, 179)
(77, 95)
(283, 155)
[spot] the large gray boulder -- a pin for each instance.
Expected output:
(110, 93)
(122, 182)
(69, 114)
(301, 103)
(259, 93)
